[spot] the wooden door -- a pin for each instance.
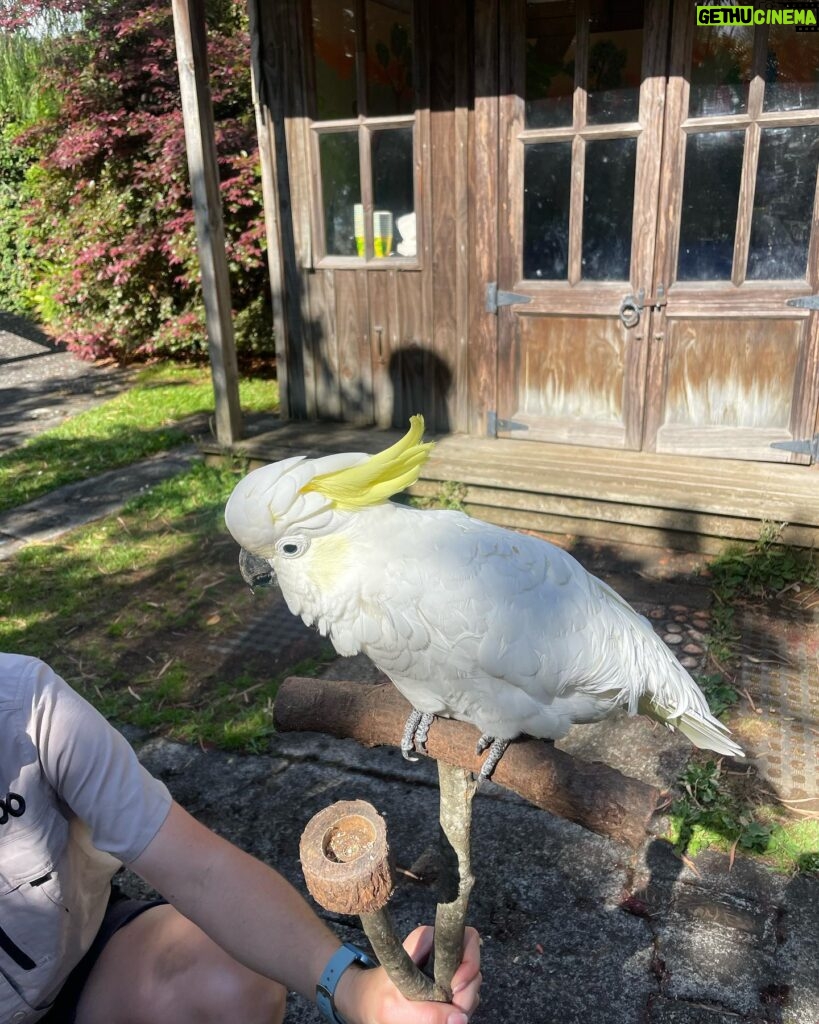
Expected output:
(733, 367)
(581, 131)
(658, 214)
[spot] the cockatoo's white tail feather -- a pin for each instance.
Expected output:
(708, 735)
(666, 691)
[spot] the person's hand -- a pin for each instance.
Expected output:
(369, 997)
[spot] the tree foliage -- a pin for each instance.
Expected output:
(109, 227)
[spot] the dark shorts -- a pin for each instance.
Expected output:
(120, 911)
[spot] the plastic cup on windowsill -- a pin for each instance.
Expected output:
(358, 224)
(382, 233)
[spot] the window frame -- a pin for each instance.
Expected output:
(365, 126)
(752, 122)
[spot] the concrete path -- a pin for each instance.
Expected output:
(41, 383)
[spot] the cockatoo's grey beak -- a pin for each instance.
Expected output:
(256, 572)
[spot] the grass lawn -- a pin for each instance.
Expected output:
(139, 612)
(128, 608)
(146, 419)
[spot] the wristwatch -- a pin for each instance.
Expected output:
(336, 966)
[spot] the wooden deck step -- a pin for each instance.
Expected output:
(638, 497)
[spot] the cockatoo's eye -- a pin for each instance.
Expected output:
(292, 547)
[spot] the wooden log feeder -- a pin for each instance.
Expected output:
(347, 866)
(589, 793)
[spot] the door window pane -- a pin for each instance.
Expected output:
(334, 46)
(547, 168)
(393, 192)
(791, 69)
(615, 62)
(341, 190)
(713, 167)
(720, 69)
(550, 50)
(783, 203)
(390, 87)
(608, 205)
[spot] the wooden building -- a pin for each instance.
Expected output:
(580, 237)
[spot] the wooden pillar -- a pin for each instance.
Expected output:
(197, 112)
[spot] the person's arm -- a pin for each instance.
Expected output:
(257, 916)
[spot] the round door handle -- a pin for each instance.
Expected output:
(630, 310)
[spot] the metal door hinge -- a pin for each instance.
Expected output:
(496, 298)
(805, 302)
(494, 425)
(810, 447)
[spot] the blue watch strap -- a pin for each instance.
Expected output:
(336, 966)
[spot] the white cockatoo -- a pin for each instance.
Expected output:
(469, 620)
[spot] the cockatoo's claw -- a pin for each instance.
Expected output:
(415, 734)
(422, 732)
(409, 756)
(497, 749)
(484, 743)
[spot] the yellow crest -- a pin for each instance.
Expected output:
(374, 481)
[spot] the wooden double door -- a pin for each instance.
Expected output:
(657, 220)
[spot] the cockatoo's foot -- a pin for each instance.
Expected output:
(496, 750)
(415, 734)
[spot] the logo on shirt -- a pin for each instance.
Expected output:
(14, 806)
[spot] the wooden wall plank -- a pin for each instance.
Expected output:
(443, 340)
(381, 343)
(354, 374)
(323, 343)
(409, 364)
(483, 228)
(269, 40)
(458, 404)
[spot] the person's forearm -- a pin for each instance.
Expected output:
(248, 908)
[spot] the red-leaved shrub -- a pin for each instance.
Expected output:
(108, 208)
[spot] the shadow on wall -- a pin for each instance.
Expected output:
(421, 382)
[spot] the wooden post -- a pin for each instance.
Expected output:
(197, 112)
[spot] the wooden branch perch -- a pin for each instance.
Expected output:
(590, 793)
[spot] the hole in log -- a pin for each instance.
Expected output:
(348, 839)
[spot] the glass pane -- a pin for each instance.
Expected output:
(393, 192)
(389, 58)
(720, 69)
(615, 62)
(550, 50)
(791, 69)
(713, 167)
(608, 204)
(340, 189)
(783, 203)
(547, 169)
(334, 59)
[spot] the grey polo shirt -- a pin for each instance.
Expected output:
(75, 803)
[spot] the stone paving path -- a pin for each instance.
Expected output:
(780, 674)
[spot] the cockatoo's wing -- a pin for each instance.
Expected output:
(510, 632)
